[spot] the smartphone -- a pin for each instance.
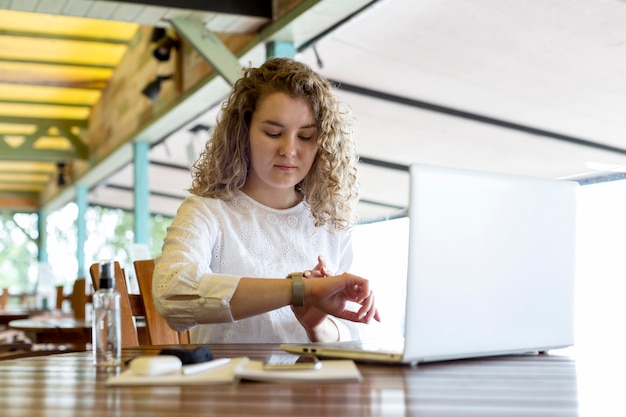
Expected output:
(291, 362)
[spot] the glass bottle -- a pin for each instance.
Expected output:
(106, 328)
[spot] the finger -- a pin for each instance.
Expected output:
(317, 269)
(362, 291)
(321, 266)
(320, 263)
(367, 310)
(377, 316)
(312, 273)
(364, 307)
(349, 315)
(324, 267)
(373, 311)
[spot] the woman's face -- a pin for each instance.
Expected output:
(283, 144)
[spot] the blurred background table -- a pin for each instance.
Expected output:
(72, 333)
(14, 314)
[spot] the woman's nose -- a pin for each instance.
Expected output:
(288, 146)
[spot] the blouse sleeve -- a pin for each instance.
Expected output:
(186, 291)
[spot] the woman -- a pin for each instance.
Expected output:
(273, 191)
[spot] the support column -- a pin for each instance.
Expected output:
(142, 193)
(81, 228)
(42, 239)
(280, 49)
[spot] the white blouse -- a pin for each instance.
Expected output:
(212, 243)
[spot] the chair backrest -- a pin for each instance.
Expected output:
(4, 298)
(79, 298)
(131, 305)
(61, 297)
(159, 332)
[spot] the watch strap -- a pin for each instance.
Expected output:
(297, 288)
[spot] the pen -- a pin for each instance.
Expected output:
(204, 366)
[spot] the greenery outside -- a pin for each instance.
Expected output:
(109, 235)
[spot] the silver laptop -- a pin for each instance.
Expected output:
(491, 269)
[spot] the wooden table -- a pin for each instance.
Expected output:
(46, 329)
(65, 331)
(544, 385)
(9, 314)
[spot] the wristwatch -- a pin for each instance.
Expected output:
(297, 289)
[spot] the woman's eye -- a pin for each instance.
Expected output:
(305, 138)
(272, 135)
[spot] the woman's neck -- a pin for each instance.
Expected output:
(277, 199)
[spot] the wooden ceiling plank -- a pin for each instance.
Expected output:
(44, 35)
(46, 103)
(86, 52)
(57, 64)
(22, 179)
(27, 167)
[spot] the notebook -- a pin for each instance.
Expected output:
(491, 269)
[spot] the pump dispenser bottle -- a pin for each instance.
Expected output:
(106, 330)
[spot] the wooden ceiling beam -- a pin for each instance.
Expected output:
(210, 47)
(80, 147)
(27, 150)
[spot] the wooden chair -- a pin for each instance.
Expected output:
(131, 305)
(79, 298)
(159, 332)
(4, 298)
(61, 297)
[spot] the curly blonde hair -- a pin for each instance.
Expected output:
(330, 188)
